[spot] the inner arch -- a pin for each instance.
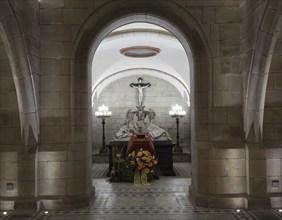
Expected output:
(169, 63)
(141, 18)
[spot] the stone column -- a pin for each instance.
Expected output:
(256, 176)
(26, 200)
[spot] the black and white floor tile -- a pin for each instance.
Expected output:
(164, 199)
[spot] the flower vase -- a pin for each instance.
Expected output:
(137, 180)
(144, 180)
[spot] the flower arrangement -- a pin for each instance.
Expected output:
(139, 166)
(142, 160)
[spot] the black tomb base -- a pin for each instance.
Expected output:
(164, 154)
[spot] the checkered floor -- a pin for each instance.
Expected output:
(164, 199)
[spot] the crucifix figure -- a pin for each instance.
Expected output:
(140, 86)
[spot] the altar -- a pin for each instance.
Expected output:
(141, 121)
(164, 154)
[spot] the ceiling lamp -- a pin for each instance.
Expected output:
(140, 51)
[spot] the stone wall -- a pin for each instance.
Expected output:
(9, 123)
(218, 150)
(231, 45)
(120, 97)
(258, 63)
(64, 160)
(10, 130)
(272, 130)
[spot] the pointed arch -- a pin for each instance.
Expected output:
(23, 74)
(259, 68)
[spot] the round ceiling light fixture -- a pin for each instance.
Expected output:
(140, 51)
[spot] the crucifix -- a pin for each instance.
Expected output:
(140, 86)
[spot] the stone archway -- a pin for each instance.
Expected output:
(24, 73)
(171, 17)
(24, 66)
(221, 159)
(258, 69)
(255, 71)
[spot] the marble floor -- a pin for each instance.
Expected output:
(100, 170)
(164, 199)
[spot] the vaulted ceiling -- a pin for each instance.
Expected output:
(127, 51)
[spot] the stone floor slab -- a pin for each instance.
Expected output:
(164, 199)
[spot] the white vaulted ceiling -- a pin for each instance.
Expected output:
(171, 64)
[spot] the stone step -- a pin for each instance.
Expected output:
(177, 157)
(182, 157)
(100, 158)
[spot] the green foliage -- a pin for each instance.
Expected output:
(126, 173)
(122, 172)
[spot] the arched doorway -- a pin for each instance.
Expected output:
(185, 29)
(220, 156)
(167, 70)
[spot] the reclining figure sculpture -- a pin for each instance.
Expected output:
(135, 122)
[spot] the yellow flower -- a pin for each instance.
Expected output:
(155, 162)
(137, 159)
(147, 170)
(147, 160)
(150, 164)
(152, 171)
(139, 154)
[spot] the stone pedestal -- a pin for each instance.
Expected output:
(256, 176)
(26, 201)
(237, 201)
(25, 205)
(164, 152)
(65, 203)
(255, 202)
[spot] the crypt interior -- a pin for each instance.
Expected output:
(220, 60)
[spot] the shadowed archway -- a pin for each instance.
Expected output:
(169, 16)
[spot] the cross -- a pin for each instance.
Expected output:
(140, 86)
